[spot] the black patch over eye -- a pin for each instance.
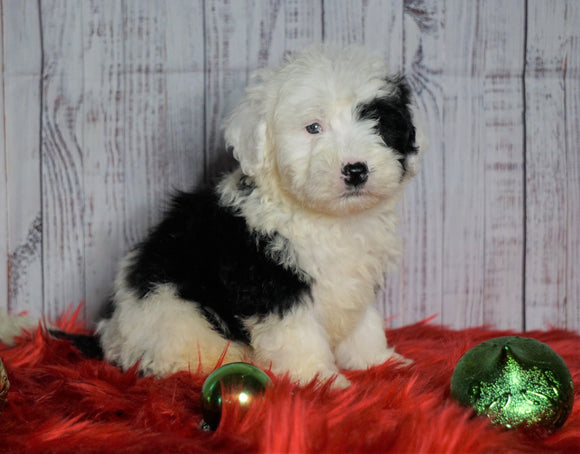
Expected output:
(394, 123)
(314, 128)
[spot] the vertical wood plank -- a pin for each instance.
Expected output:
(21, 30)
(463, 231)
(378, 24)
(462, 220)
(162, 71)
(184, 41)
(143, 127)
(415, 293)
(483, 218)
(145, 110)
(552, 164)
(302, 22)
(343, 23)
(226, 38)
(503, 163)
(104, 170)
(4, 215)
(62, 158)
(572, 83)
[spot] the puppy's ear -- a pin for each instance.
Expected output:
(245, 130)
(413, 160)
(412, 129)
(397, 122)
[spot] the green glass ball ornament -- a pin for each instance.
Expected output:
(233, 384)
(517, 382)
(4, 386)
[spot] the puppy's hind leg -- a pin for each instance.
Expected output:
(165, 334)
(366, 346)
(295, 344)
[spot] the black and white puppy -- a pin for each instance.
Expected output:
(280, 263)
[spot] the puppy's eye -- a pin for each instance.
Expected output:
(314, 128)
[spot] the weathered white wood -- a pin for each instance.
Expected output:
(462, 258)
(572, 82)
(21, 193)
(62, 157)
(376, 23)
(552, 198)
(463, 177)
(145, 131)
(415, 292)
(302, 22)
(184, 42)
(4, 215)
(503, 162)
(227, 64)
(143, 125)
(104, 172)
(134, 94)
(483, 225)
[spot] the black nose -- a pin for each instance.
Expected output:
(355, 174)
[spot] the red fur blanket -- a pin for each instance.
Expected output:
(61, 402)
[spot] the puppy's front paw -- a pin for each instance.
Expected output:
(340, 382)
(400, 361)
(390, 356)
(365, 359)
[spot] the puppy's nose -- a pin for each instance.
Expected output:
(355, 174)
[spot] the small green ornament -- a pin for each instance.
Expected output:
(234, 383)
(4, 385)
(517, 382)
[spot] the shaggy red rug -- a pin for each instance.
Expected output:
(61, 402)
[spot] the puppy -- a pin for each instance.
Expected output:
(279, 264)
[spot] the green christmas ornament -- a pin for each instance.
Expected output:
(4, 385)
(517, 382)
(234, 383)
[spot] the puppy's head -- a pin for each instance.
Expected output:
(331, 128)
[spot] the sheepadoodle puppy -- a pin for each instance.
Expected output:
(279, 264)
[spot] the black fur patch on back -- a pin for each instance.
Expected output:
(211, 257)
(394, 120)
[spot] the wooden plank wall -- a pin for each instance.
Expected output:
(108, 105)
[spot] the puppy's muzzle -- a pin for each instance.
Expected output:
(355, 175)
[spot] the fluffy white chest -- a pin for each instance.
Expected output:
(345, 257)
(347, 261)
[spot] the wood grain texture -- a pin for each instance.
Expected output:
(163, 124)
(552, 197)
(463, 219)
(3, 190)
(123, 101)
(145, 107)
(62, 156)
(502, 145)
(572, 82)
(22, 195)
(229, 60)
(415, 292)
(104, 156)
